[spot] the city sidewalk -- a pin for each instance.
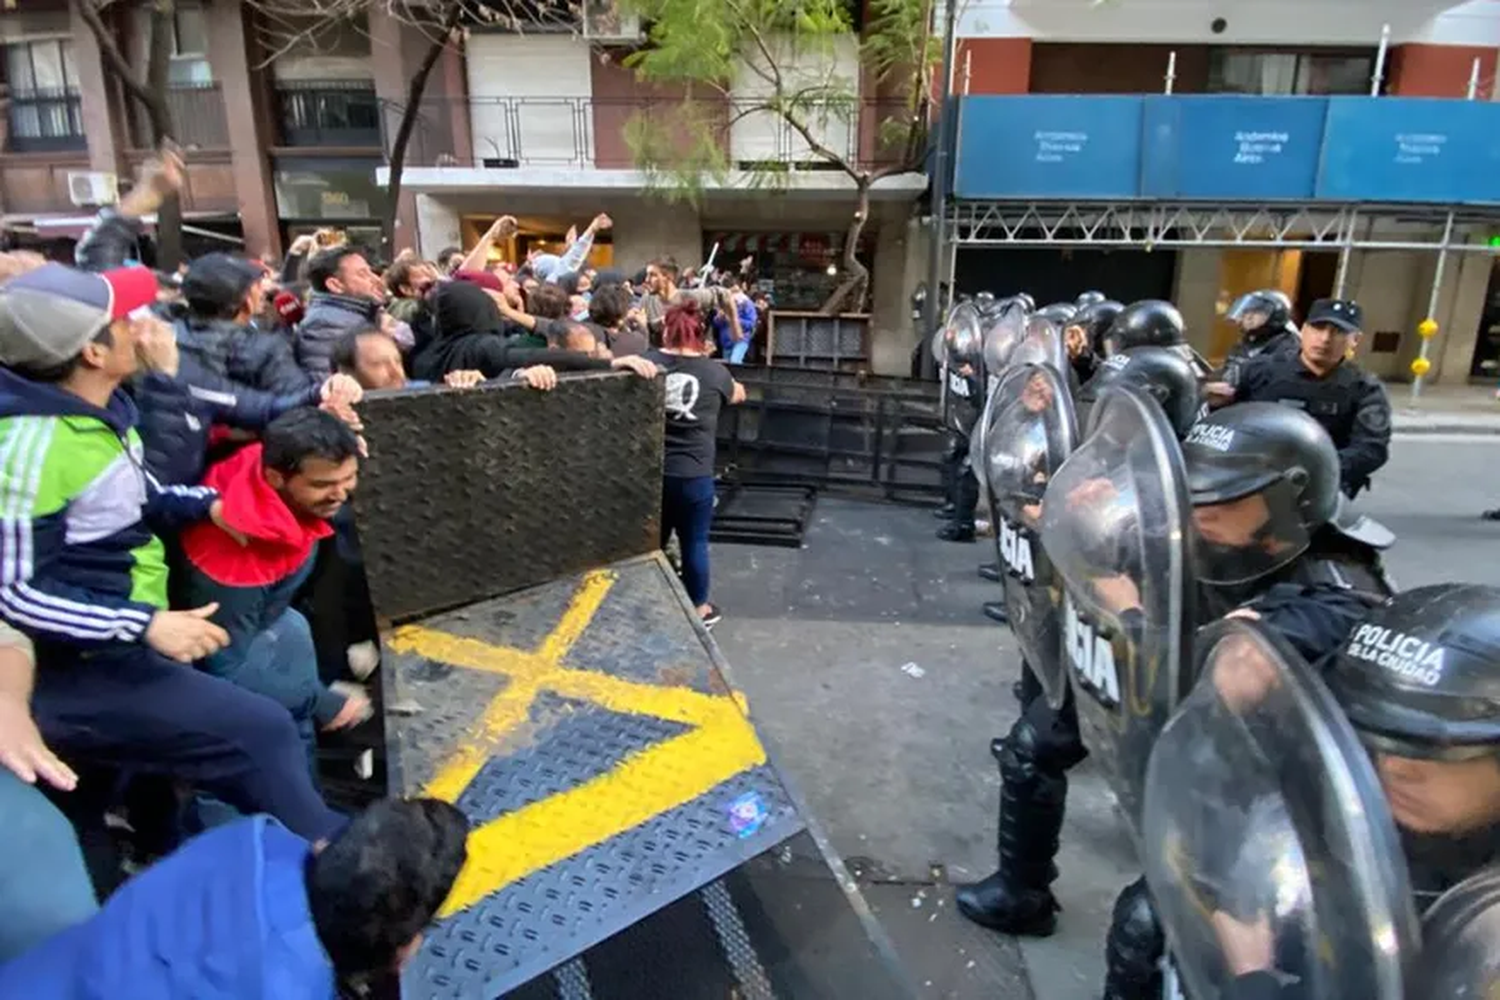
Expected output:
(1445, 409)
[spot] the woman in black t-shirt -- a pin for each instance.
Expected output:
(697, 386)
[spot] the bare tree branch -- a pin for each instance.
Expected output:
(114, 60)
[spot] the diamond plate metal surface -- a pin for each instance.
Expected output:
(611, 697)
(470, 494)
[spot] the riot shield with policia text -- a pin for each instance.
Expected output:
(1269, 849)
(958, 347)
(1117, 528)
(1031, 433)
(1014, 337)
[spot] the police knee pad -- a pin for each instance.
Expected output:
(1044, 738)
(1136, 941)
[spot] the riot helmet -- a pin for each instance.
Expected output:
(1420, 677)
(1263, 478)
(1268, 310)
(1058, 312)
(1027, 302)
(1096, 320)
(1087, 299)
(1148, 323)
(1162, 372)
(985, 300)
(959, 339)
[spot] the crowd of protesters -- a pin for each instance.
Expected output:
(176, 456)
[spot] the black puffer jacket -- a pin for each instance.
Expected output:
(243, 353)
(177, 412)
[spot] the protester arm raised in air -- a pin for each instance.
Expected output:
(479, 257)
(578, 250)
(1369, 446)
(110, 242)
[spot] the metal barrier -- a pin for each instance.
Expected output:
(831, 429)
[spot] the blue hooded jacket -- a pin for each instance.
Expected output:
(226, 917)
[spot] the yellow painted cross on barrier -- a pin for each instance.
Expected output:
(720, 744)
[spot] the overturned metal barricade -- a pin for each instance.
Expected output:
(830, 429)
(632, 836)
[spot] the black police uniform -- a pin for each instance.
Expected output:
(966, 393)
(1350, 403)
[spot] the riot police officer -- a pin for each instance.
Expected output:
(1419, 680)
(1045, 743)
(1151, 323)
(1276, 543)
(1084, 334)
(1348, 402)
(1265, 321)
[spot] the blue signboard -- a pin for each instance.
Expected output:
(1049, 147)
(1232, 147)
(1390, 149)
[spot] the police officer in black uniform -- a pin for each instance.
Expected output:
(1084, 335)
(1275, 543)
(1319, 379)
(966, 386)
(1265, 320)
(1044, 743)
(1419, 679)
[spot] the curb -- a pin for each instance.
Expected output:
(1440, 425)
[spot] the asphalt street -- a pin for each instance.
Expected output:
(878, 684)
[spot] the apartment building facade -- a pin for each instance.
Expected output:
(1074, 169)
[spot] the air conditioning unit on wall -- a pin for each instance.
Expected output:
(92, 187)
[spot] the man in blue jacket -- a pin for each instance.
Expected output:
(250, 911)
(84, 574)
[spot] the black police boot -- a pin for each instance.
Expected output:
(990, 572)
(1134, 947)
(1018, 898)
(945, 512)
(954, 532)
(995, 611)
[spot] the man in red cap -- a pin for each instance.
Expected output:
(83, 573)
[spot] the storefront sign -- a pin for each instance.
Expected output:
(1232, 147)
(1048, 147)
(1411, 150)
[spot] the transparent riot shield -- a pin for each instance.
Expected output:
(1011, 337)
(1116, 527)
(1267, 843)
(962, 341)
(1461, 941)
(1030, 433)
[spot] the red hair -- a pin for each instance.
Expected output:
(682, 328)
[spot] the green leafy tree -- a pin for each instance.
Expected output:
(772, 62)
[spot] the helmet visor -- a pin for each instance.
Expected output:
(1250, 536)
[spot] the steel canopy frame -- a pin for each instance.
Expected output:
(1148, 225)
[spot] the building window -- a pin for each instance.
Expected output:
(45, 113)
(190, 66)
(1280, 74)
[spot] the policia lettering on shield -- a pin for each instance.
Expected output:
(1323, 382)
(1281, 870)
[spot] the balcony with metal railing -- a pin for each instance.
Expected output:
(595, 133)
(45, 121)
(328, 113)
(198, 118)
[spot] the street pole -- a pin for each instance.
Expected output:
(1171, 72)
(1380, 56)
(1474, 80)
(932, 312)
(1341, 279)
(1429, 326)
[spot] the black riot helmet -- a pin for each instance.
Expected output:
(1058, 312)
(1265, 450)
(1162, 372)
(1421, 676)
(1087, 299)
(1269, 309)
(1096, 321)
(1148, 323)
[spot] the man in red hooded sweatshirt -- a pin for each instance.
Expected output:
(278, 497)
